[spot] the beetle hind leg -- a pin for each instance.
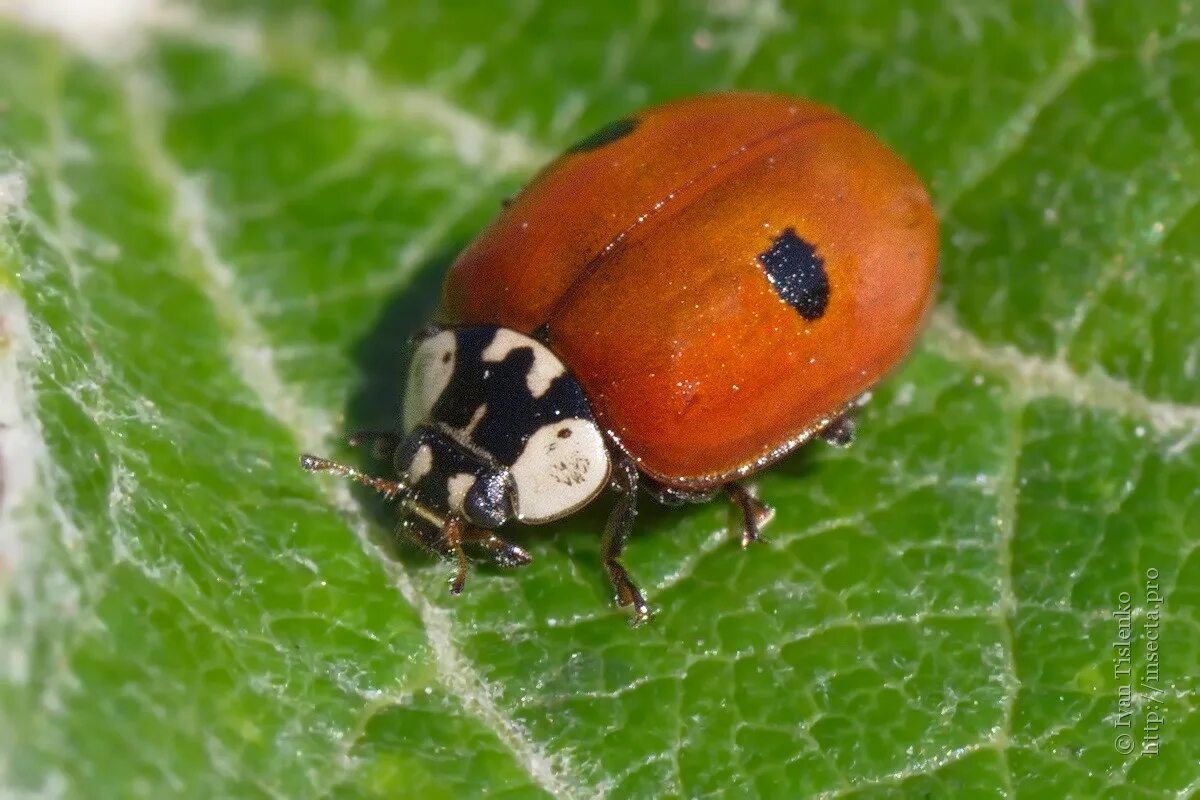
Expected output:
(755, 513)
(839, 432)
(616, 534)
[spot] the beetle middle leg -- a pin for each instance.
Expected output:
(839, 432)
(673, 496)
(755, 513)
(616, 534)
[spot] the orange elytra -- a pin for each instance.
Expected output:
(702, 286)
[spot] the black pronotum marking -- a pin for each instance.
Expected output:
(606, 135)
(797, 273)
(512, 413)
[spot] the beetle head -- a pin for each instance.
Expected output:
(446, 478)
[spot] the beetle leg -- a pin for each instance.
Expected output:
(755, 513)
(500, 550)
(839, 432)
(452, 537)
(440, 542)
(383, 443)
(423, 535)
(616, 534)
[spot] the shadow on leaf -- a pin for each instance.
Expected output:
(382, 357)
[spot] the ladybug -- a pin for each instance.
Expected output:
(675, 303)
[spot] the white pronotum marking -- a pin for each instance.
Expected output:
(429, 375)
(422, 462)
(563, 466)
(546, 366)
(459, 484)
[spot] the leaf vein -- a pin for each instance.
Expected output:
(1033, 378)
(253, 356)
(1012, 134)
(1007, 493)
(476, 141)
(924, 767)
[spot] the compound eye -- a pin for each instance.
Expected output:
(432, 367)
(488, 504)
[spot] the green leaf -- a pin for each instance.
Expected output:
(218, 228)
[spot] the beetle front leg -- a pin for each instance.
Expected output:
(616, 534)
(445, 540)
(424, 535)
(451, 539)
(501, 551)
(453, 536)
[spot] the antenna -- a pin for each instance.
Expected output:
(388, 489)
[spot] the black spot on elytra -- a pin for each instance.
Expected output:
(797, 273)
(606, 135)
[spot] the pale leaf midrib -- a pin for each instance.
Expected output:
(251, 353)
